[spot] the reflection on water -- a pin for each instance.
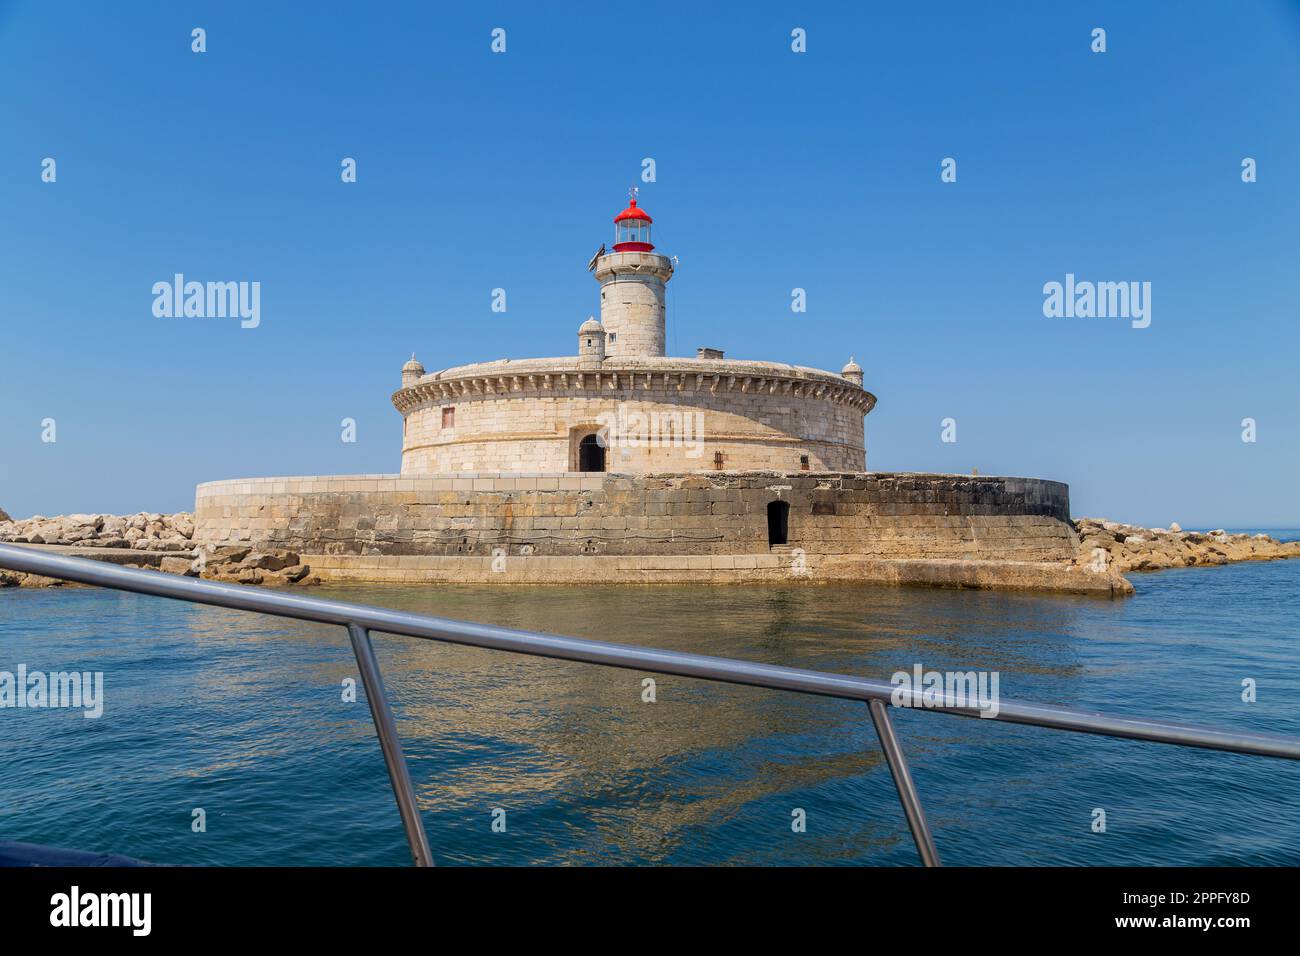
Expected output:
(243, 715)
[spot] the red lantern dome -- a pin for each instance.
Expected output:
(632, 229)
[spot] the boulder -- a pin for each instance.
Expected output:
(270, 560)
(86, 521)
(171, 544)
(177, 566)
(229, 554)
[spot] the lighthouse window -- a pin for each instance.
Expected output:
(634, 231)
(449, 417)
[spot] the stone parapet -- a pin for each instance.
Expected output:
(534, 377)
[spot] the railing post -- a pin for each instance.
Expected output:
(916, 821)
(386, 728)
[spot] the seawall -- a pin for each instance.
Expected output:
(875, 515)
(956, 530)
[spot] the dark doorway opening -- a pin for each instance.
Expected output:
(591, 454)
(778, 523)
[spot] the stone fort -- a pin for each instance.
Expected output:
(621, 404)
(619, 463)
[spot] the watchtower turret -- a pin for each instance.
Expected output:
(591, 341)
(412, 371)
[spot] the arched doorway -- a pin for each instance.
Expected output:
(778, 523)
(591, 454)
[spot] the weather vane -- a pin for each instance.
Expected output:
(633, 192)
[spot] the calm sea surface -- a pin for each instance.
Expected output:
(243, 716)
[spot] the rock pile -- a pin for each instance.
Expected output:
(143, 531)
(1131, 548)
(168, 538)
(238, 564)
(17, 579)
(246, 566)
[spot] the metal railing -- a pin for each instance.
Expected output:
(361, 619)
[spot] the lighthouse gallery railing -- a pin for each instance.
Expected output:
(361, 619)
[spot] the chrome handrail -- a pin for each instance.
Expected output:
(360, 620)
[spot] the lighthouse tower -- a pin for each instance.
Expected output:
(632, 280)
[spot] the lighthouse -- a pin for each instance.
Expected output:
(632, 282)
(621, 404)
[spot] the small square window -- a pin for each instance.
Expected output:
(613, 336)
(449, 417)
(719, 460)
(803, 462)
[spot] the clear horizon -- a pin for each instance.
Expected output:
(775, 171)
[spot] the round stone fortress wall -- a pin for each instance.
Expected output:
(655, 415)
(888, 516)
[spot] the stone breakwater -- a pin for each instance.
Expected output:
(162, 542)
(140, 532)
(1126, 547)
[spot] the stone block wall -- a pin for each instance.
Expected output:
(674, 415)
(725, 513)
(538, 432)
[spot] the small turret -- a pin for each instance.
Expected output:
(853, 372)
(591, 340)
(412, 371)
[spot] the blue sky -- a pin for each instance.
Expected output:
(775, 170)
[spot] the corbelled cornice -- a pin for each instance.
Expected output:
(569, 375)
